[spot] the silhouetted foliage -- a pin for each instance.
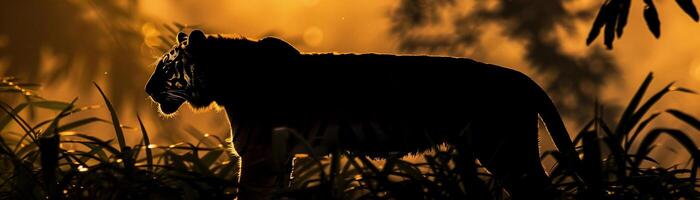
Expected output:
(52, 160)
(574, 80)
(612, 18)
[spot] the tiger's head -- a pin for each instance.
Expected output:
(177, 79)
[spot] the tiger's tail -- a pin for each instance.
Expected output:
(555, 126)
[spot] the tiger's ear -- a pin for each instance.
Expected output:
(196, 38)
(181, 37)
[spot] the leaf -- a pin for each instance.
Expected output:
(632, 105)
(306, 168)
(647, 105)
(591, 163)
(95, 141)
(610, 23)
(302, 164)
(26, 182)
(389, 166)
(79, 123)
(689, 8)
(115, 120)
(21, 151)
(598, 23)
(8, 116)
(615, 145)
(49, 149)
(25, 85)
(622, 16)
(690, 120)
(585, 128)
(652, 18)
(53, 105)
(226, 170)
(680, 137)
(369, 165)
(682, 89)
(176, 161)
(411, 171)
(211, 157)
(4, 148)
(199, 135)
(95, 150)
(641, 127)
(146, 143)
(197, 164)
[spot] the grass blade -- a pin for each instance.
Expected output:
(79, 123)
(20, 121)
(210, 157)
(592, 166)
(690, 120)
(52, 105)
(651, 16)
(598, 23)
(115, 120)
(147, 144)
(5, 120)
(676, 134)
(49, 149)
(632, 105)
(641, 127)
(692, 148)
(637, 116)
(689, 8)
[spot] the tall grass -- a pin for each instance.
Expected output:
(37, 165)
(617, 159)
(617, 164)
(53, 159)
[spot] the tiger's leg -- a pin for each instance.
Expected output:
(508, 146)
(260, 170)
(235, 159)
(282, 157)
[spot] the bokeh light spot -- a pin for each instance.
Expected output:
(82, 168)
(695, 72)
(313, 36)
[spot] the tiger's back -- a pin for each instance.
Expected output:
(380, 103)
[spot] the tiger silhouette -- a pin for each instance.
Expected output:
(368, 104)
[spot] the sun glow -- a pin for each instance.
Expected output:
(695, 72)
